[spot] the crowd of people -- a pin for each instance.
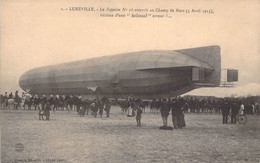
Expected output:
(65, 102)
(177, 106)
(215, 105)
(225, 106)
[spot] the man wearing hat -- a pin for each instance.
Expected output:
(164, 112)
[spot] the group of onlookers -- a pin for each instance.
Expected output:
(210, 106)
(173, 105)
(177, 106)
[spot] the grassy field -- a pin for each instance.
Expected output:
(70, 138)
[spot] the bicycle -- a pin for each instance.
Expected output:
(241, 118)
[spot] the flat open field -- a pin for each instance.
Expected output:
(70, 138)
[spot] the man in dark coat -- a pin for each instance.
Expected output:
(5, 99)
(44, 101)
(180, 119)
(234, 111)
(180, 115)
(225, 111)
(138, 115)
(36, 102)
(47, 111)
(164, 111)
(17, 100)
(173, 105)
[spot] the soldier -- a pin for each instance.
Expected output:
(36, 102)
(11, 95)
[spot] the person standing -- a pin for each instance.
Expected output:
(242, 108)
(173, 105)
(36, 102)
(101, 108)
(234, 112)
(107, 108)
(225, 111)
(47, 111)
(51, 100)
(164, 112)
(44, 101)
(180, 115)
(94, 108)
(252, 106)
(16, 100)
(107, 105)
(181, 119)
(5, 99)
(138, 116)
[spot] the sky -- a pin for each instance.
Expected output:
(37, 33)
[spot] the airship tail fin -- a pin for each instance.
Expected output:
(209, 55)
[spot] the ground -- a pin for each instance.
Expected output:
(70, 138)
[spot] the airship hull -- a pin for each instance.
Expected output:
(147, 74)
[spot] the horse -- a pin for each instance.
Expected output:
(124, 105)
(86, 105)
(154, 106)
(107, 109)
(10, 102)
(68, 103)
(28, 101)
(17, 102)
(143, 105)
(59, 103)
(94, 108)
(3, 101)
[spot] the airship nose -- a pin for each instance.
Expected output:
(23, 82)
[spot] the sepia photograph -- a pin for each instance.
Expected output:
(129, 81)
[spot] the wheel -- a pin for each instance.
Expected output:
(242, 119)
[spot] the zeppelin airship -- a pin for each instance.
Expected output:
(147, 74)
